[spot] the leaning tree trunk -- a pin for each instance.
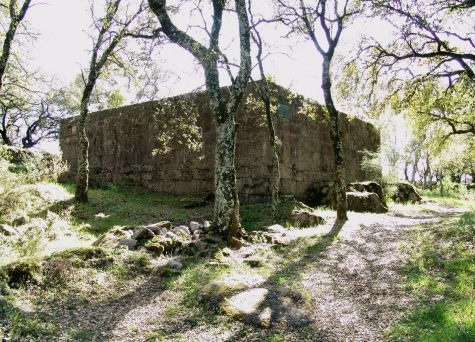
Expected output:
(339, 177)
(82, 179)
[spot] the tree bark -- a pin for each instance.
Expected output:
(339, 176)
(15, 19)
(82, 178)
(275, 175)
(226, 205)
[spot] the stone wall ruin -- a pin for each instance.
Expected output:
(168, 145)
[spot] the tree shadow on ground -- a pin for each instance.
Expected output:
(287, 316)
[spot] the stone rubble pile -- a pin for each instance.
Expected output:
(158, 238)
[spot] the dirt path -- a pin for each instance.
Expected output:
(354, 282)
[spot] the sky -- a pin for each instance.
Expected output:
(63, 45)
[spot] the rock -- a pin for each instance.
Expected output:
(181, 229)
(406, 192)
(195, 226)
(7, 230)
(157, 227)
(244, 303)
(304, 218)
(264, 320)
(175, 264)
(254, 262)
(276, 228)
(226, 251)
(365, 202)
(206, 226)
(369, 186)
(237, 243)
(131, 244)
(142, 233)
(163, 231)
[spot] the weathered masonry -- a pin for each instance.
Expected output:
(168, 145)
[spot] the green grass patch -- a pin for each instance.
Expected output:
(441, 274)
(124, 206)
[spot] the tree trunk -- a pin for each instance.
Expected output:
(275, 174)
(226, 203)
(15, 19)
(339, 178)
(82, 179)
(414, 169)
(406, 176)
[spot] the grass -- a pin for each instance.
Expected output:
(441, 275)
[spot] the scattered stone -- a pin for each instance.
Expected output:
(181, 229)
(101, 216)
(142, 233)
(131, 244)
(7, 230)
(236, 243)
(244, 303)
(276, 228)
(156, 227)
(365, 202)
(406, 192)
(195, 226)
(226, 251)
(206, 226)
(264, 320)
(304, 218)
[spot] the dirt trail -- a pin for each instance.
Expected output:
(355, 284)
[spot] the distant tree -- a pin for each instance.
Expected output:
(111, 31)
(226, 206)
(323, 22)
(15, 15)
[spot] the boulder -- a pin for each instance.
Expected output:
(131, 244)
(142, 233)
(276, 228)
(206, 226)
(181, 230)
(406, 192)
(369, 186)
(365, 202)
(112, 238)
(157, 227)
(195, 226)
(304, 218)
